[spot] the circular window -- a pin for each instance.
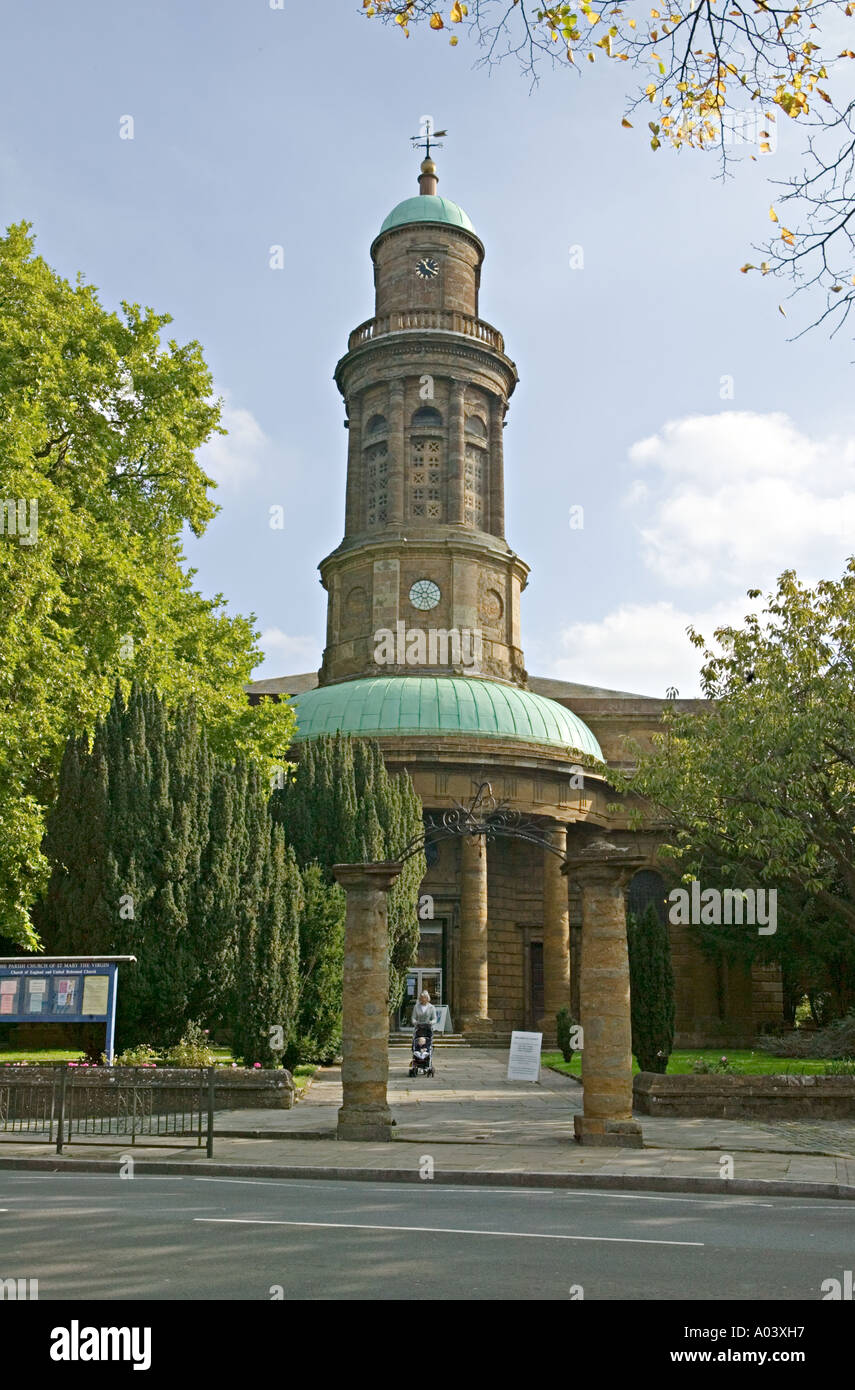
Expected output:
(424, 594)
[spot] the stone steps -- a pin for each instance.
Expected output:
(454, 1040)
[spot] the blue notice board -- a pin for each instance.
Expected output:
(60, 993)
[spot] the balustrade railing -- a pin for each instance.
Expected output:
(438, 320)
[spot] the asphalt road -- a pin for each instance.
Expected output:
(86, 1236)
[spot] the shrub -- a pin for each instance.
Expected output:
(143, 1055)
(835, 1041)
(651, 989)
(193, 1050)
(565, 1023)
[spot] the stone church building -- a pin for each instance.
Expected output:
(424, 653)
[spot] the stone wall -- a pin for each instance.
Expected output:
(236, 1088)
(746, 1097)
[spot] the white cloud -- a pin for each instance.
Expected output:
(639, 647)
(733, 499)
(235, 459)
(285, 655)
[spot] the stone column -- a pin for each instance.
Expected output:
(556, 936)
(603, 869)
(456, 454)
(365, 1111)
(355, 497)
(472, 970)
(397, 454)
(497, 467)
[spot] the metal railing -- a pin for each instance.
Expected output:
(71, 1108)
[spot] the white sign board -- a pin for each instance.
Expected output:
(443, 1019)
(524, 1057)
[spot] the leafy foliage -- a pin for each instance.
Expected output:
(100, 423)
(713, 76)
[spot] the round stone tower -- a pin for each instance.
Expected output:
(424, 581)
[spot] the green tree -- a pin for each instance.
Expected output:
(342, 806)
(759, 787)
(318, 1028)
(651, 989)
(99, 428)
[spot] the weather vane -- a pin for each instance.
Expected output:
(428, 138)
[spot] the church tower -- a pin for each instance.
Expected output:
(424, 582)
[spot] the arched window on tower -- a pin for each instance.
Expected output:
(426, 415)
(376, 425)
(375, 470)
(425, 471)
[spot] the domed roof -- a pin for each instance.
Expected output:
(427, 207)
(389, 705)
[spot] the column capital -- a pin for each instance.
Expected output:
(378, 877)
(604, 862)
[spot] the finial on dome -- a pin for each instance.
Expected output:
(428, 178)
(428, 139)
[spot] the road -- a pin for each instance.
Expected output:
(87, 1236)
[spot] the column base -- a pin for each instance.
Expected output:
(472, 1027)
(369, 1123)
(607, 1134)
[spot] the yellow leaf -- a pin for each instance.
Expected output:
(773, 215)
(781, 310)
(456, 13)
(627, 124)
(835, 289)
(436, 21)
(787, 236)
(654, 143)
(745, 268)
(453, 40)
(590, 57)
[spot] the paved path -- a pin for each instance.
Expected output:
(469, 1119)
(470, 1100)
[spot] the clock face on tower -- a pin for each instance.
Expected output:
(424, 594)
(427, 268)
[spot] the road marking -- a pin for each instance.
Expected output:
(431, 1230)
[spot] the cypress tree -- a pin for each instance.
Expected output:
(651, 989)
(317, 1034)
(343, 807)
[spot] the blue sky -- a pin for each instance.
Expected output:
(256, 127)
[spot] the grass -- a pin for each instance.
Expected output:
(45, 1055)
(680, 1063)
(302, 1074)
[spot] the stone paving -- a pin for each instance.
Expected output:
(470, 1118)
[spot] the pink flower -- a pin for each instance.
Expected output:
(256, 1064)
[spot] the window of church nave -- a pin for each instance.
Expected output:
(473, 486)
(426, 479)
(376, 466)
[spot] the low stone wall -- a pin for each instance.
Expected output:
(745, 1097)
(235, 1088)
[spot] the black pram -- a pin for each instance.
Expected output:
(422, 1063)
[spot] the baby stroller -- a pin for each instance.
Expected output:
(422, 1063)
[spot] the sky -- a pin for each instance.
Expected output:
(659, 389)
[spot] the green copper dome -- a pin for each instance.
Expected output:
(388, 705)
(427, 207)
